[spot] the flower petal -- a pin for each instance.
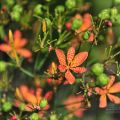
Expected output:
(17, 34)
(18, 94)
(79, 59)
(49, 95)
(115, 88)
(91, 38)
(79, 113)
(79, 69)
(99, 91)
(69, 76)
(62, 68)
(5, 48)
(20, 42)
(70, 54)
(27, 95)
(66, 83)
(24, 53)
(29, 107)
(46, 107)
(61, 56)
(74, 105)
(103, 101)
(111, 81)
(74, 100)
(114, 98)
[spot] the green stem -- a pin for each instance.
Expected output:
(26, 72)
(115, 54)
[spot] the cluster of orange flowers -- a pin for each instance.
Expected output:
(69, 65)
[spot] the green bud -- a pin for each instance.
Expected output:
(117, 19)
(34, 116)
(102, 80)
(15, 16)
(70, 4)
(101, 37)
(60, 9)
(43, 103)
(104, 14)
(7, 106)
(10, 2)
(97, 69)
(117, 2)
(22, 106)
(86, 35)
(38, 9)
(53, 116)
(76, 24)
(2, 66)
(48, 21)
(18, 8)
(114, 11)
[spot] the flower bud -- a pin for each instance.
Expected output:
(38, 10)
(102, 80)
(22, 106)
(34, 116)
(117, 2)
(48, 22)
(43, 103)
(97, 68)
(70, 4)
(7, 106)
(18, 8)
(104, 14)
(68, 25)
(53, 116)
(60, 9)
(2, 66)
(117, 19)
(13, 117)
(76, 24)
(86, 35)
(10, 2)
(114, 11)
(15, 16)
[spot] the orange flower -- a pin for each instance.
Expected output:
(31, 98)
(19, 43)
(72, 63)
(74, 105)
(106, 92)
(86, 25)
(86, 22)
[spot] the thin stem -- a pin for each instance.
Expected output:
(115, 55)
(26, 72)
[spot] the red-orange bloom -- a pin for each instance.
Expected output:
(31, 98)
(19, 43)
(86, 25)
(106, 92)
(73, 61)
(74, 105)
